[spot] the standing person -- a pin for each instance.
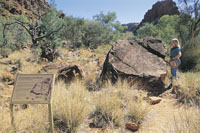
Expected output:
(175, 53)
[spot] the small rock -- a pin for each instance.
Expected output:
(132, 126)
(154, 101)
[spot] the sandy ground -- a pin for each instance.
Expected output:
(161, 116)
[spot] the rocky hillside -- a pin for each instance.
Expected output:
(159, 9)
(30, 8)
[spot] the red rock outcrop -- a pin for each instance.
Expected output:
(159, 9)
(30, 8)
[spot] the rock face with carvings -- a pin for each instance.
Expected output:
(139, 61)
(159, 9)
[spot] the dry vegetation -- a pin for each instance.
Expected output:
(187, 121)
(71, 105)
(75, 107)
(187, 88)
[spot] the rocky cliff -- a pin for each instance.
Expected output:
(159, 9)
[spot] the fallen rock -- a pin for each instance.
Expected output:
(69, 73)
(139, 61)
(154, 101)
(132, 126)
(50, 54)
(51, 66)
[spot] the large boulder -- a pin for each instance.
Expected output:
(140, 61)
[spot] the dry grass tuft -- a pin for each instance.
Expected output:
(71, 105)
(21, 55)
(188, 121)
(102, 49)
(32, 68)
(5, 76)
(85, 52)
(188, 88)
(117, 102)
(109, 109)
(137, 110)
(5, 121)
(33, 119)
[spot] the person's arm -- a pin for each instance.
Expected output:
(178, 56)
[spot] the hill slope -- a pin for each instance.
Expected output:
(30, 8)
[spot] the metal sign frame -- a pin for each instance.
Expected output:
(49, 102)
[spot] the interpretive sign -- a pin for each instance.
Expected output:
(33, 89)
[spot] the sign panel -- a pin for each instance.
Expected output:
(33, 88)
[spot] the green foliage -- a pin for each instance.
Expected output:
(148, 30)
(73, 31)
(128, 36)
(165, 29)
(49, 23)
(183, 29)
(15, 36)
(106, 19)
(113, 27)
(190, 57)
(18, 34)
(92, 33)
(95, 34)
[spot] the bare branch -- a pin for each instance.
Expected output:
(49, 34)
(23, 25)
(185, 1)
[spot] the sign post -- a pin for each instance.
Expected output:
(33, 89)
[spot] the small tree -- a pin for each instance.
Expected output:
(95, 33)
(114, 28)
(73, 30)
(42, 29)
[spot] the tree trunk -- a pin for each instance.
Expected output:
(34, 43)
(192, 39)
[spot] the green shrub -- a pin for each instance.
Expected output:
(190, 57)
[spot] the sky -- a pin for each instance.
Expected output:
(127, 11)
